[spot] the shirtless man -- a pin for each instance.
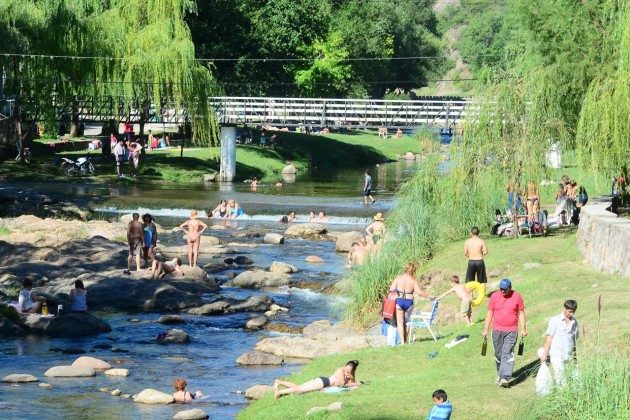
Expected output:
(136, 242)
(463, 294)
(159, 269)
(357, 255)
(194, 228)
(475, 249)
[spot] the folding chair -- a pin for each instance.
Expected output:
(420, 320)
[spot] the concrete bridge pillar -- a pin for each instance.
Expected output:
(227, 171)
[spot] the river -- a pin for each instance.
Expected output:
(208, 361)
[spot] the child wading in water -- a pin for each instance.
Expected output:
(464, 295)
(181, 395)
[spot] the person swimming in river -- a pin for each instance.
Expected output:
(234, 209)
(159, 269)
(194, 228)
(220, 211)
(343, 377)
(182, 396)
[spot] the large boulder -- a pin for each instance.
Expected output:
(296, 347)
(273, 238)
(306, 229)
(259, 358)
(153, 396)
(251, 304)
(256, 392)
(345, 240)
(9, 329)
(289, 170)
(255, 279)
(409, 156)
(169, 298)
(67, 325)
(171, 319)
(175, 336)
(117, 372)
(194, 414)
(70, 372)
(94, 363)
(282, 268)
(18, 378)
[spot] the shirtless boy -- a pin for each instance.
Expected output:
(475, 249)
(463, 294)
(357, 255)
(194, 228)
(136, 242)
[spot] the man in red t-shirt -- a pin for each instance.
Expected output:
(505, 310)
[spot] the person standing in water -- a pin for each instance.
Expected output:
(367, 188)
(194, 228)
(475, 249)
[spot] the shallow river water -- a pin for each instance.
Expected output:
(208, 361)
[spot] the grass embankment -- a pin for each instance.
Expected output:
(305, 151)
(402, 379)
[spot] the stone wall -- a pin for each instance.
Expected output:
(604, 239)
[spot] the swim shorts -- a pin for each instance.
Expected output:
(464, 307)
(135, 246)
(476, 268)
(325, 380)
(120, 160)
(367, 192)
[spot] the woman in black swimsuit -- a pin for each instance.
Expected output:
(221, 210)
(343, 377)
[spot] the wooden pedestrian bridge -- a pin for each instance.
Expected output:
(432, 112)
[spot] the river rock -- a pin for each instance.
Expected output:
(9, 329)
(242, 260)
(330, 408)
(45, 385)
(66, 325)
(345, 240)
(152, 396)
(194, 414)
(256, 323)
(273, 238)
(289, 169)
(296, 347)
(255, 279)
(409, 156)
(251, 304)
(278, 308)
(171, 319)
(116, 392)
(70, 372)
(259, 358)
(314, 259)
(306, 229)
(17, 378)
(117, 372)
(282, 268)
(94, 363)
(169, 298)
(211, 177)
(256, 392)
(175, 336)
(214, 308)
(283, 328)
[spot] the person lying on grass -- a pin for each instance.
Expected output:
(343, 377)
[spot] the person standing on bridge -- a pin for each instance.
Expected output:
(367, 189)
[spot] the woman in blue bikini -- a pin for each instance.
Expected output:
(406, 286)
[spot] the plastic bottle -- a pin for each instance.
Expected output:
(45, 309)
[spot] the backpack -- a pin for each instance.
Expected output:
(583, 195)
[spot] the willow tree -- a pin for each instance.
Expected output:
(138, 51)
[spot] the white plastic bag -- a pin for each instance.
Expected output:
(393, 338)
(544, 381)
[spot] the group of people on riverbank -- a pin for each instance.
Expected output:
(126, 150)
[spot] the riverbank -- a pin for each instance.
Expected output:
(302, 150)
(547, 271)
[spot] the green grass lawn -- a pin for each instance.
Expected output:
(402, 379)
(305, 151)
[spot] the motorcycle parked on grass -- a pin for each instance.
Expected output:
(82, 166)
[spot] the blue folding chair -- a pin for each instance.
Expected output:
(420, 320)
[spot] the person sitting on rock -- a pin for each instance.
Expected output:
(159, 269)
(78, 298)
(181, 395)
(343, 377)
(30, 303)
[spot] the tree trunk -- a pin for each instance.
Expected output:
(74, 119)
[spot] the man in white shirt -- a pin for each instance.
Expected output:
(120, 152)
(562, 333)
